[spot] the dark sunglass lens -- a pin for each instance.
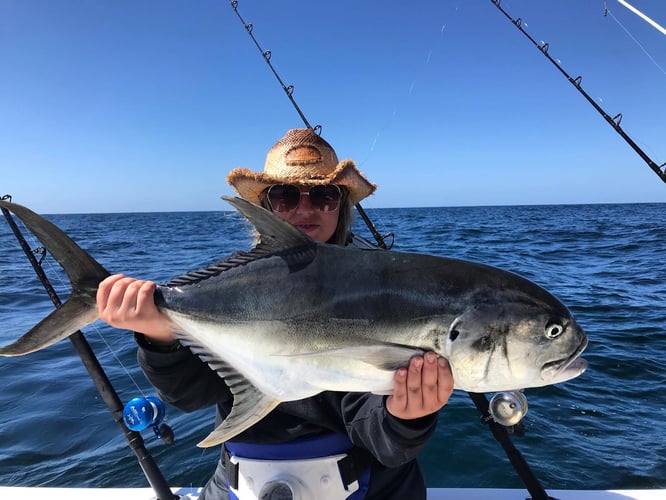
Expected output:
(283, 197)
(325, 198)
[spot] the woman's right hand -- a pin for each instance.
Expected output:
(129, 303)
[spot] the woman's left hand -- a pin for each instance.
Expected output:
(422, 388)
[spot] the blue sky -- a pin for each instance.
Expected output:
(138, 105)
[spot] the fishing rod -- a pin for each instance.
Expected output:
(104, 387)
(614, 121)
(289, 91)
(501, 434)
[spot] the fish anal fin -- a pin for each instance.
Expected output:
(250, 406)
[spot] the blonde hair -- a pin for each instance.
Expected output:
(342, 234)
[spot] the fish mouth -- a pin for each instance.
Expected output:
(566, 368)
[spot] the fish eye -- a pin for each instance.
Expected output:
(453, 334)
(453, 330)
(554, 328)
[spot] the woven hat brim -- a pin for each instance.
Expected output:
(249, 184)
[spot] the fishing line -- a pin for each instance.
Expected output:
(433, 50)
(608, 11)
(645, 18)
(115, 355)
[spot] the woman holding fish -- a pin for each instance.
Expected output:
(334, 445)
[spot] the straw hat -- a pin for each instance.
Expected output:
(301, 157)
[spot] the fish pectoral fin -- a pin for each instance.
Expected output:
(387, 357)
(250, 406)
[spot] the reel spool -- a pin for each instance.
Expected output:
(143, 412)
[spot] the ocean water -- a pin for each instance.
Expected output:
(602, 430)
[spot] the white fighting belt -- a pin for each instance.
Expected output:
(304, 479)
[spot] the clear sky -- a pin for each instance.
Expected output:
(145, 105)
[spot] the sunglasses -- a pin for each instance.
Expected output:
(286, 197)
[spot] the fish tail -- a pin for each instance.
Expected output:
(84, 273)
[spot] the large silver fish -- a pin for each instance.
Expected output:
(292, 318)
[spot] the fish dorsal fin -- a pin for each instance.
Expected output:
(250, 404)
(275, 234)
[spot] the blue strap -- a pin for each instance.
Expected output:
(354, 467)
(299, 449)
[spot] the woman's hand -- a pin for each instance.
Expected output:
(128, 303)
(422, 388)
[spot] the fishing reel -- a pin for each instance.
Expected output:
(508, 408)
(143, 412)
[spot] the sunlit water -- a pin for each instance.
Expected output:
(604, 429)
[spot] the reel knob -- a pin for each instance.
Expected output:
(508, 408)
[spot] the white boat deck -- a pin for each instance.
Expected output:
(35, 493)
